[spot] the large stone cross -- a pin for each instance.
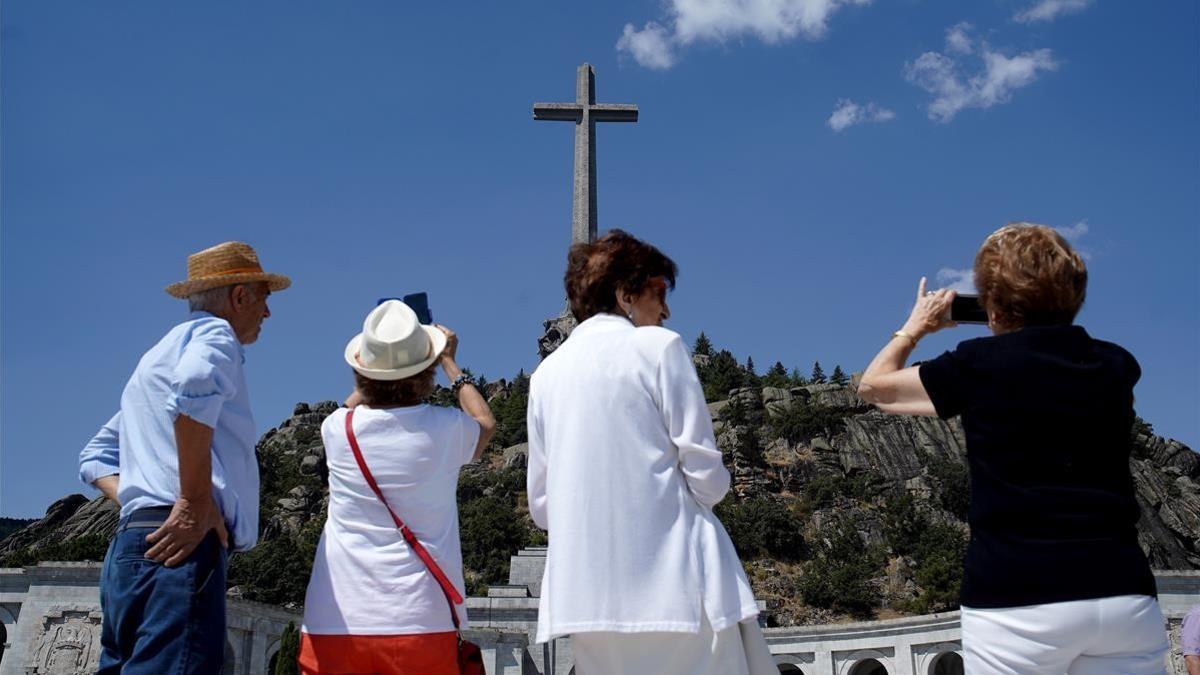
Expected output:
(585, 112)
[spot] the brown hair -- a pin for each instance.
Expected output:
(616, 261)
(1028, 275)
(408, 391)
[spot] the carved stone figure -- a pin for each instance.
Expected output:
(67, 643)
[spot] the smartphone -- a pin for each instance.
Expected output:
(966, 309)
(418, 302)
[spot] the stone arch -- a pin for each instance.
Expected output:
(272, 654)
(946, 663)
(7, 622)
(868, 666)
(229, 667)
(790, 668)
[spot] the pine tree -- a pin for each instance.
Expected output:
(797, 379)
(839, 377)
(777, 376)
(722, 374)
(289, 648)
(818, 375)
(703, 345)
(750, 366)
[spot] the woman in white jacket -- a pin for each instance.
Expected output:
(623, 473)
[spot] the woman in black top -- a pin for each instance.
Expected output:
(1055, 581)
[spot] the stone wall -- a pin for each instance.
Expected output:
(51, 617)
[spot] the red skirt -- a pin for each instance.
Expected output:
(422, 654)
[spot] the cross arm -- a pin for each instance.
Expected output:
(571, 112)
(613, 112)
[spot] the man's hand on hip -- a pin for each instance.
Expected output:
(183, 531)
(195, 512)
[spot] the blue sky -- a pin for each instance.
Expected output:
(805, 162)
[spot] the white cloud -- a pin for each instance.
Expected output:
(993, 84)
(958, 40)
(961, 281)
(848, 113)
(769, 20)
(718, 21)
(1049, 10)
(650, 46)
(1073, 233)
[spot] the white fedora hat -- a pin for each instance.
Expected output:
(393, 344)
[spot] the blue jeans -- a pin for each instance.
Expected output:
(161, 620)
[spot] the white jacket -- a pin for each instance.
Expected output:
(623, 472)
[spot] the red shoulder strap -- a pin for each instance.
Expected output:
(452, 595)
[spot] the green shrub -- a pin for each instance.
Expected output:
(800, 421)
(763, 527)
(954, 488)
(89, 547)
(276, 571)
(937, 550)
(492, 532)
(838, 577)
(903, 524)
(823, 491)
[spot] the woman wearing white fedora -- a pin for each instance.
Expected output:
(623, 473)
(384, 598)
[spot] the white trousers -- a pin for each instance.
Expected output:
(1123, 635)
(737, 650)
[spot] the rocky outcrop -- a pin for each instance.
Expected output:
(556, 332)
(515, 457)
(897, 448)
(69, 518)
(832, 396)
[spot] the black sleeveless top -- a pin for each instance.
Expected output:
(1047, 412)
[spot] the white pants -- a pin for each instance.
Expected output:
(737, 650)
(1123, 635)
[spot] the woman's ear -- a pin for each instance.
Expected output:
(624, 300)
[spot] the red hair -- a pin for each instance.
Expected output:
(1029, 275)
(616, 261)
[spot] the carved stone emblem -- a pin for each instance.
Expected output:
(67, 642)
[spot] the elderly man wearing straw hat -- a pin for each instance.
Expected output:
(178, 457)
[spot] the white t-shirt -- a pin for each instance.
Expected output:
(365, 578)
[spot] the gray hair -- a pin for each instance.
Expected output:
(216, 300)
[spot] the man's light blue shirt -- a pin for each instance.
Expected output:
(195, 370)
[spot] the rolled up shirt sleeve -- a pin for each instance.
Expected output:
(102, 455)
(468, 436)
(206, 376)
(689, 425)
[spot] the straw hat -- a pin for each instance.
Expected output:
(224, 265)
(394, 344)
